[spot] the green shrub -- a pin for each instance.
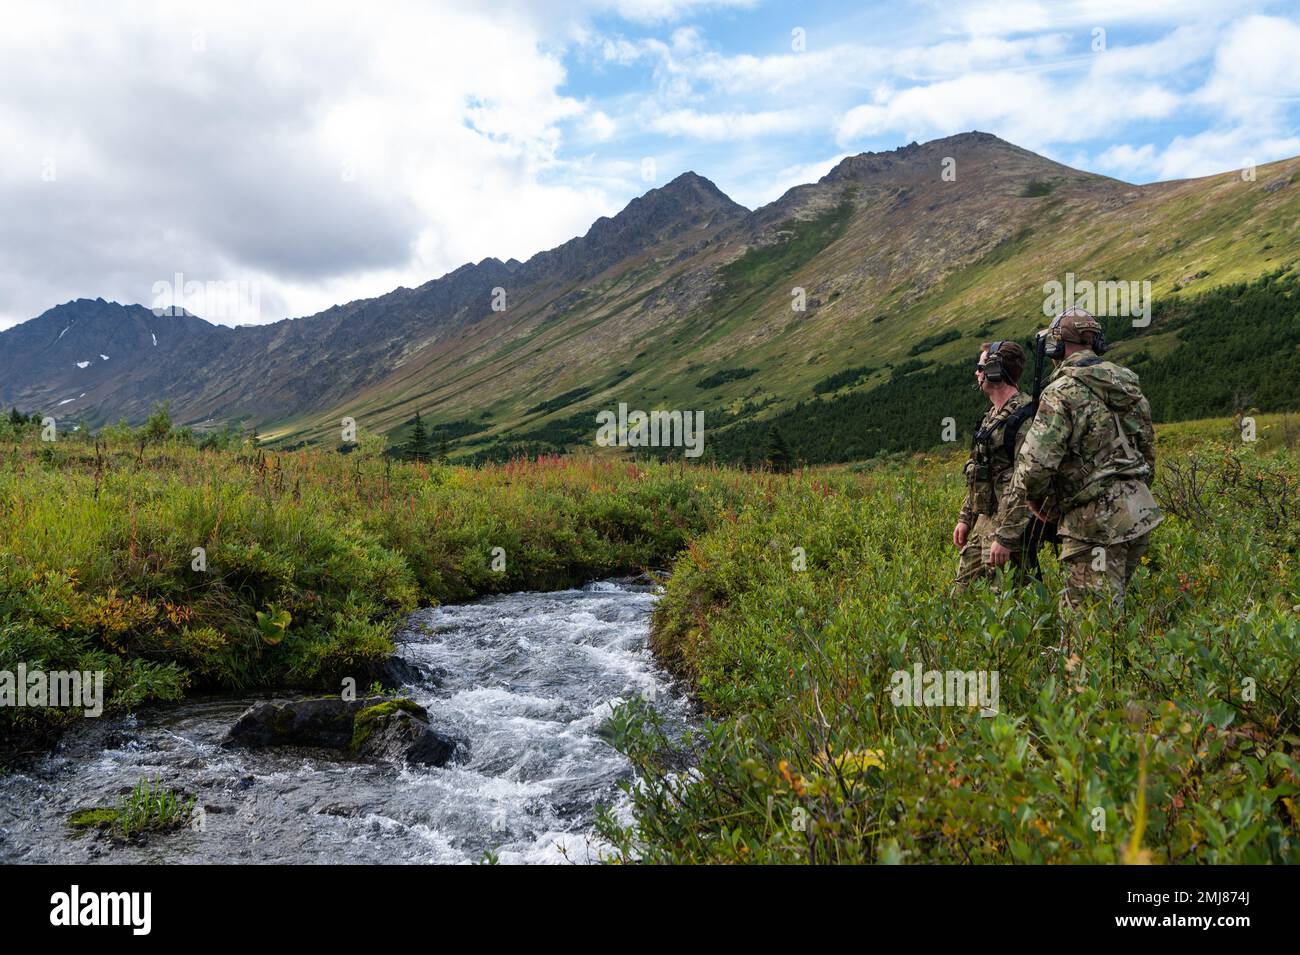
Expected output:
(1171, 737)
(724, 376)
(309, 559)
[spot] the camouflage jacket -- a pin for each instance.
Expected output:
(991, 464)
(1089, 456)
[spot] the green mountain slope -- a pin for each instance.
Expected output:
(848, 312)
(904, 274)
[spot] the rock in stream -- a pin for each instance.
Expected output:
(526, 680)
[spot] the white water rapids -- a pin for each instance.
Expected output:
(527, 679)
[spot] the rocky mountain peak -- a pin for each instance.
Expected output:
(691, 187)
(687, 203)
(983, 154)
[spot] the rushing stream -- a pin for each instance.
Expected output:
(527, 679)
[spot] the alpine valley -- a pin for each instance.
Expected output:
(903, 261)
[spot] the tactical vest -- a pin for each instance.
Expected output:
(993, 455)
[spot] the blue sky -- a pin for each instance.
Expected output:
(324, 153)
(1139, 91)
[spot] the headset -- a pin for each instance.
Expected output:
(992, 366)
(1054, 345)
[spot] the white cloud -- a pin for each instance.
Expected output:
(1050, 100)
(1028, 109)
(324, 158)
(331, 157)
(770, 188)
(956, 57)
(730, 126)
(1180, 52)
(1038, 88)
(1256, 69)
(658, 11)
(599, 127)
(623, 52)
(1013, 17)
(1125, 160)
(1254, 82)
(1203, 154)
(808, 75)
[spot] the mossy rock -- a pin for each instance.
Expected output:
(319, 721)
(364, 723)
(372, 728)
(398, 731)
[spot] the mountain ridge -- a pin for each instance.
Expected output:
(891, 247)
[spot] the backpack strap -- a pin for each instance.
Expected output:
(1125, 441)
(1012, 427)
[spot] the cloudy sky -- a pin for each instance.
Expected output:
(330, 151)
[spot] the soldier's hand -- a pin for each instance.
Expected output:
(959, 534)
(998, 555)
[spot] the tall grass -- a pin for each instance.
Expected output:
(151, 805)
(1167, 734)
(98, 550)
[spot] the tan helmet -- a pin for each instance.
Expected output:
(1070, 326)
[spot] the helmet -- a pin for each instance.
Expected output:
(1070, 326)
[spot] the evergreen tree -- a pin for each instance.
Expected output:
(417, 445)
(442, 448)
(778, 452)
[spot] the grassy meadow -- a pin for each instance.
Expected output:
(310, 558)
(1170, 736)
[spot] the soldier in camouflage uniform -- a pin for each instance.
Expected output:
(1089, 456)
(989, 469)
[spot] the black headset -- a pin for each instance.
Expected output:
(993, 364)
(1055, 349)
(1099, 345)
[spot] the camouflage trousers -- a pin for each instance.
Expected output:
(1099, 573)
(973, 562)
